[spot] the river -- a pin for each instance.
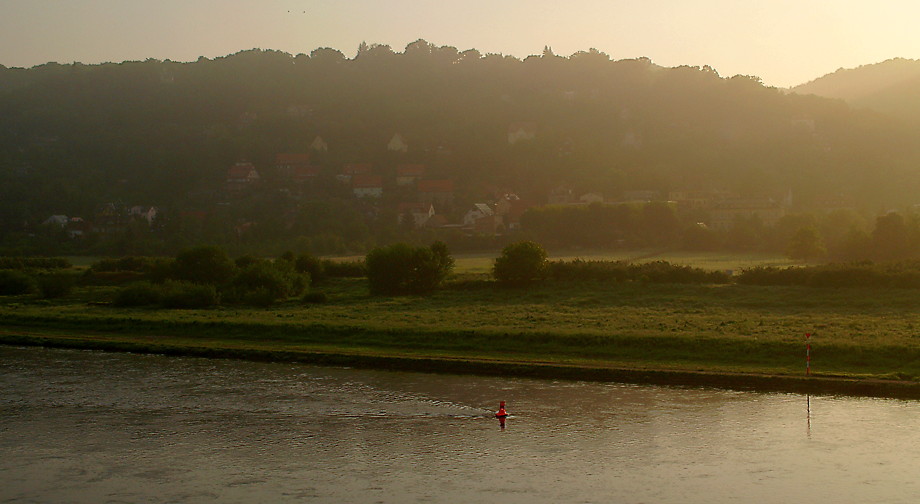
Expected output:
(92, 427)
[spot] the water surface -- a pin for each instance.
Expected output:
(89, 427)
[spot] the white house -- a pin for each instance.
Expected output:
(397, 144)
(147, 213)
(319, 145)
(408, 174)
(479, 211)
(419, 213)
(591, 197)
(520, 131)
(367, 186)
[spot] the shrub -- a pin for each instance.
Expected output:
(204, 265)
(580, 270)
(401, 268)
(127, 263)
(262, 276)
(261, 297)
(315, 297)
(344, 269)
(114, 271)
(160, 269)
(113, 277)
(14, 283)
(771, 275)
(138, 294)
(306, 263)
(665, 272)
(263, 282)
(434, 270)
(56, 285)
(245, 261)
(188, 295)
(34, 263)
(620, 271)
(862, 274)
(521, 263)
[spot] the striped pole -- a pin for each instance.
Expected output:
(807, 354)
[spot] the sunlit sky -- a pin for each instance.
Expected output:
(785, 42)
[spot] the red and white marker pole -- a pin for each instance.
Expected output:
(807, 354)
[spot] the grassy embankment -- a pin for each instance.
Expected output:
(633, 331)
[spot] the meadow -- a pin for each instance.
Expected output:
(482, 263)
(857, 333)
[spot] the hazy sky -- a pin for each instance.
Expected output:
(785, 42)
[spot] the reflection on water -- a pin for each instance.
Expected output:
(92, 427)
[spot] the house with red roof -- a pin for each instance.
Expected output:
(408, 174)
(242, 176)
(367, 186)
(304, 173)
(295, 167)
(352, 169)
(510, 208)
(436, 192)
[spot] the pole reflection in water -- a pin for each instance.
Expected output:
(808, 414)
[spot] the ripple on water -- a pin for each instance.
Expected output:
(111, 427)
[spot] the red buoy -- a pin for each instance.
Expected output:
(501, 414)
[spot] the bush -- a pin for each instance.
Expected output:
(129, 269)
(434, 270)
(621, 271)
(771, 275)
(261, 276)
(113, 277)
(904, 274)
(401, 268)
(245, 261)
(128, 263)
(261, 297)
(188, 295)
(315, 297)
(306, 263)
(15, 283)
(345, 269)
(204, 265)
(55, 285)
(521, 263)
(19, 263)
(579, 270)
(138, 294)
(665, 272)
(263, 283)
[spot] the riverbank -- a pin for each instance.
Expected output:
(588, 371)
(864, 341)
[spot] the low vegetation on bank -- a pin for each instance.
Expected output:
(581, 313)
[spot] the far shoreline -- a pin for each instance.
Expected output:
(739, 381)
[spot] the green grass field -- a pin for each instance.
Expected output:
(864, 333)
(482, 263)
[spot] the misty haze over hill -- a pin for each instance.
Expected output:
(892, 87)
(76, 138)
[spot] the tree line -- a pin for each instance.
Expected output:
(164, 133)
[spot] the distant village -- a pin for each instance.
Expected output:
(422, 201)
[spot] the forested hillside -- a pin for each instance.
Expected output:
(76, 138)
(891, 87)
